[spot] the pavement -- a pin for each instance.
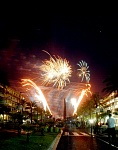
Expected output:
(54, 144)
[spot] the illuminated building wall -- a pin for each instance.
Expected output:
(11, 98)
(110, 105)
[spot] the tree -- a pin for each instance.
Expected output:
(111, 82)
(86, 108)
(96, 101)
(18, 120)
(90, 105)
(32, 106)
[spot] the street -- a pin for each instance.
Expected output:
(77, 139)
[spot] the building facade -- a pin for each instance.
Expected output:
(110, 105)
(10, 101)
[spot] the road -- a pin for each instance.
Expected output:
(77, 139)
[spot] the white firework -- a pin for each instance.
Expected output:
(83, 71)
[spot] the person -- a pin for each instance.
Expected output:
(111, 128)
(96, 128)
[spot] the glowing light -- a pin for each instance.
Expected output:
(91, 121)
(73, 102)
(56, 71)
(79, 100)
(38, 94)
(88, 89)
(83, 92)
(83, 71)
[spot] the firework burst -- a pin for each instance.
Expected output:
(83, 71)
(56, 71)
(38, 93)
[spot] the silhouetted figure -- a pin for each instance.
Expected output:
(96, 128)
(111, 128)
(42, 130)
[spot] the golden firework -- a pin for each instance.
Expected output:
(83, 92)
(56, 71)
(38, 93)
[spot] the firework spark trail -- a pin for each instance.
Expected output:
(56, 71)
(79, 100)
(28, 82)
(83, 92)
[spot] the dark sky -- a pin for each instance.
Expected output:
(70, 34)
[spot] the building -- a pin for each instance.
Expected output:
(10, 101)
(110, 105)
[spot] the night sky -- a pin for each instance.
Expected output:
(69, 34)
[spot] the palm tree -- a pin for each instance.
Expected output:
(111, 82)
(90, 105)
(96, 101)
(33, 107)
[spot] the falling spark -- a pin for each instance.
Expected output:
(56, 71)
(83, 71)
(83, 92)
(39, 94)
